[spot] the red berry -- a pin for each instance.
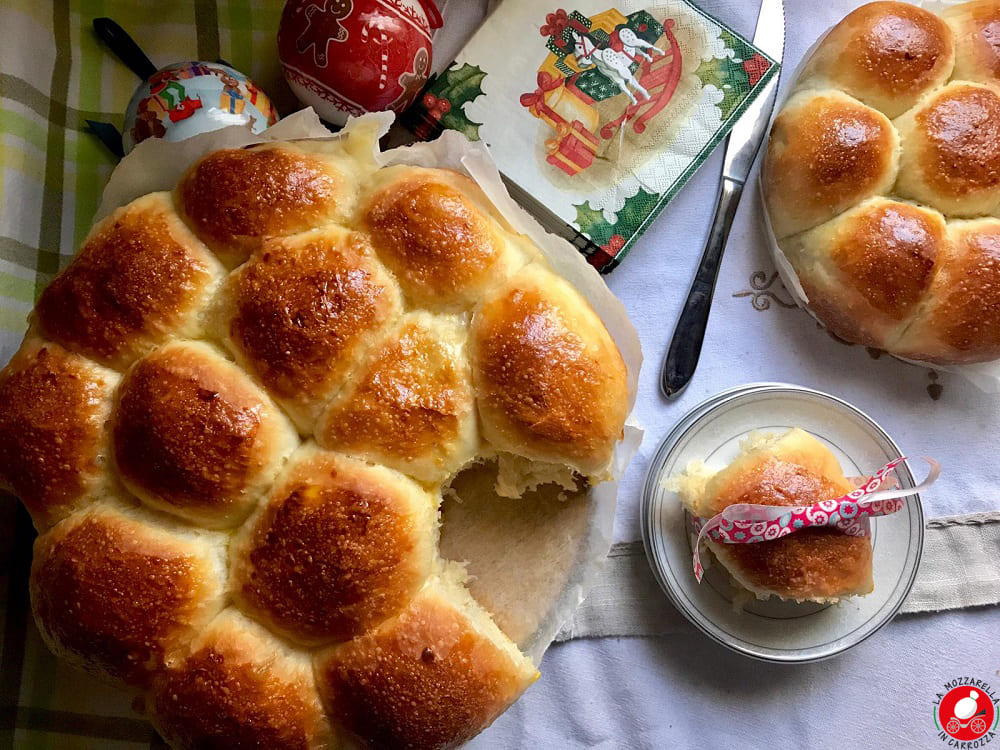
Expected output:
(615, 243)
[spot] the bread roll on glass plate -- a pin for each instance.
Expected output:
(816, 564)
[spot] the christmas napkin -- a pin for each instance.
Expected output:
(597, 115)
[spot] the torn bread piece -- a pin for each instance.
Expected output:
(820, 564)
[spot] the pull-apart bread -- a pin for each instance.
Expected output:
(232, 420)
(819, 564)
(882, 180)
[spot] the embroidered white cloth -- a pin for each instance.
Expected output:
(959, 569)
(682, 690)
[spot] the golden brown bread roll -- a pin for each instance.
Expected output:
(951, 150)
(338, 546)
(438, 233)
(193, 435)
(977, 31)
(960, 322)
(240, 688)
(827, 152)
(877, 269)
(140, 278)
(551, 383)
(53, 442)
(302, 313)
(115, 591)
(244, 547)
(411, 406)
(868, 271)
(886, 54)
(814, 564)
(236, 198)
(432, 677)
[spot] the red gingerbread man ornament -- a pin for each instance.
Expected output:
(348, 57)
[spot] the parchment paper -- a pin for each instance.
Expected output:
(984, 375)
(531, 561)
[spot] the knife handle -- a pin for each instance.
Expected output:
(685, 347)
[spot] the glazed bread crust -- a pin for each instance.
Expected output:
(240, 687)
(886, 54)
(237, 198)
(889, 142)
(232, 422)
(194, 436)
(140, 279)
(424, 678)
(551, 382)
(338, 547)
(54, 445)
(827, 152)
(816, 564)
(83, 566)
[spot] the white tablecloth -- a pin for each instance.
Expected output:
(685, 691)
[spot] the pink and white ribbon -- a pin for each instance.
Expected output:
(747, 523)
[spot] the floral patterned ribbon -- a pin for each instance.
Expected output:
(746, 523)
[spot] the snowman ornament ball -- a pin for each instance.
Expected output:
(348, 57)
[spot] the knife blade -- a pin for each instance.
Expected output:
(742, 145)
(748, 132)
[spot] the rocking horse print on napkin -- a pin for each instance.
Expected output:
(603, 72)
(615, 59)
(599, 127)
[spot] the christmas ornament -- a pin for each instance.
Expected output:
(348, 57)
(180, 100)
(189, 98)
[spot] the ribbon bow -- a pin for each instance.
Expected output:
(748, 523)
(552, 144)
(554, 23)
(546, 83)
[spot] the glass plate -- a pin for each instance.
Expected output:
(775, 630)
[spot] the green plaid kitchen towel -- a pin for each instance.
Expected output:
(54, 75)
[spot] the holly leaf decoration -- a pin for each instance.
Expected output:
(727, 74)
(743, 50)
(459, 86)
(457, 120)
(635, 211)
(592, 222)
